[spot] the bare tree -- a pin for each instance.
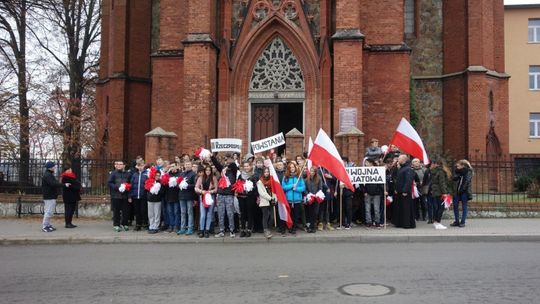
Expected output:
(78, 23)
(13, 26)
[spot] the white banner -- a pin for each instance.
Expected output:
(268, 143)
(367, 175)
(226, 144)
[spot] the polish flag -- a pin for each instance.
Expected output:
(310, 147)
(407, 140)
(283, 204)
(325, 154)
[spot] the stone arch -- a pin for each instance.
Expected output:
(250, 46)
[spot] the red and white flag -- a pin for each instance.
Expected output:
(310, 147)
(325, 154)
(283, 204)
(407, 140)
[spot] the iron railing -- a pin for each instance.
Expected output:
(495, 178)
(93, 175)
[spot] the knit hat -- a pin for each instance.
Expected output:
(50, 165)
(248, 156)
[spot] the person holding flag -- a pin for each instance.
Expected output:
(294, 187)
(315, 195)
(283, 204)
(266, 199)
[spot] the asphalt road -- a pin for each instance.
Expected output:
(270, 273)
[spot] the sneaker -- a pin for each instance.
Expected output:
(347, 227)
(189, 231)
(52, 228)
(220, 234)
(200, 234)
(439, 226)
(455, 224)
(46, 229)
(430, 222)
(71, 226)
(248, 233)
(461, 225)
(181, 231)
(243, 234)
(117, 228)
(170, 229)
(267, 234)
(329, 227)
(153, 231)
(206, 234)
(126, 227)
(320, 227)
(232, 235)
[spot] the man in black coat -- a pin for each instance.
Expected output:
(119, 195)
(404, 213)
(50, 186)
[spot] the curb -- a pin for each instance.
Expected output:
(365, 239)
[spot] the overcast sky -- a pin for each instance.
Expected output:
(521, 2)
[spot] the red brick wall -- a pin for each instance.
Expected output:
(348, 74)
(138, 117)
(387, 95)
(382, 21)
(454, 116)
(125, 76)
(172, 23)
(167, 94)
(455, 35)
(347, 14)
(199, 104)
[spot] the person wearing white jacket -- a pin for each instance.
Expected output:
(266, 200)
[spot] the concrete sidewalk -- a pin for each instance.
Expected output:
(28, 231)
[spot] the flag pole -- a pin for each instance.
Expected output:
(300, 173)
(341, 208)
(384, 195)
(275, 219)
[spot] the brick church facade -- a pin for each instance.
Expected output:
(251, 68)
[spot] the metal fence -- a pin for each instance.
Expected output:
(506, 179)
(93, 175)
(498, 180)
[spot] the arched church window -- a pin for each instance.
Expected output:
(277, 70)
(409, 17)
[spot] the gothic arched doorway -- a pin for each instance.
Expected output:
(276, 92)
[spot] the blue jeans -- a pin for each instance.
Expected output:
(206, 216)
(173, 209)
(431, 205)
(186, 209)
(464, 202)
(164, 213)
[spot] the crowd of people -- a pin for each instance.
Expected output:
(233, 194)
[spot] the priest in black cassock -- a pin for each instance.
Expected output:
(403, 215)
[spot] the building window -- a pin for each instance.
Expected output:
(534, 77)
(534, 125)
(534, 30)
(409, 16)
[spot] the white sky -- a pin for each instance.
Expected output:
(510, 2)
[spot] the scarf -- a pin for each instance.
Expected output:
(69, 175)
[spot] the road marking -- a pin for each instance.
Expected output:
(283, 276)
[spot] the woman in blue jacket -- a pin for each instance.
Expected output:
(294, 187)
